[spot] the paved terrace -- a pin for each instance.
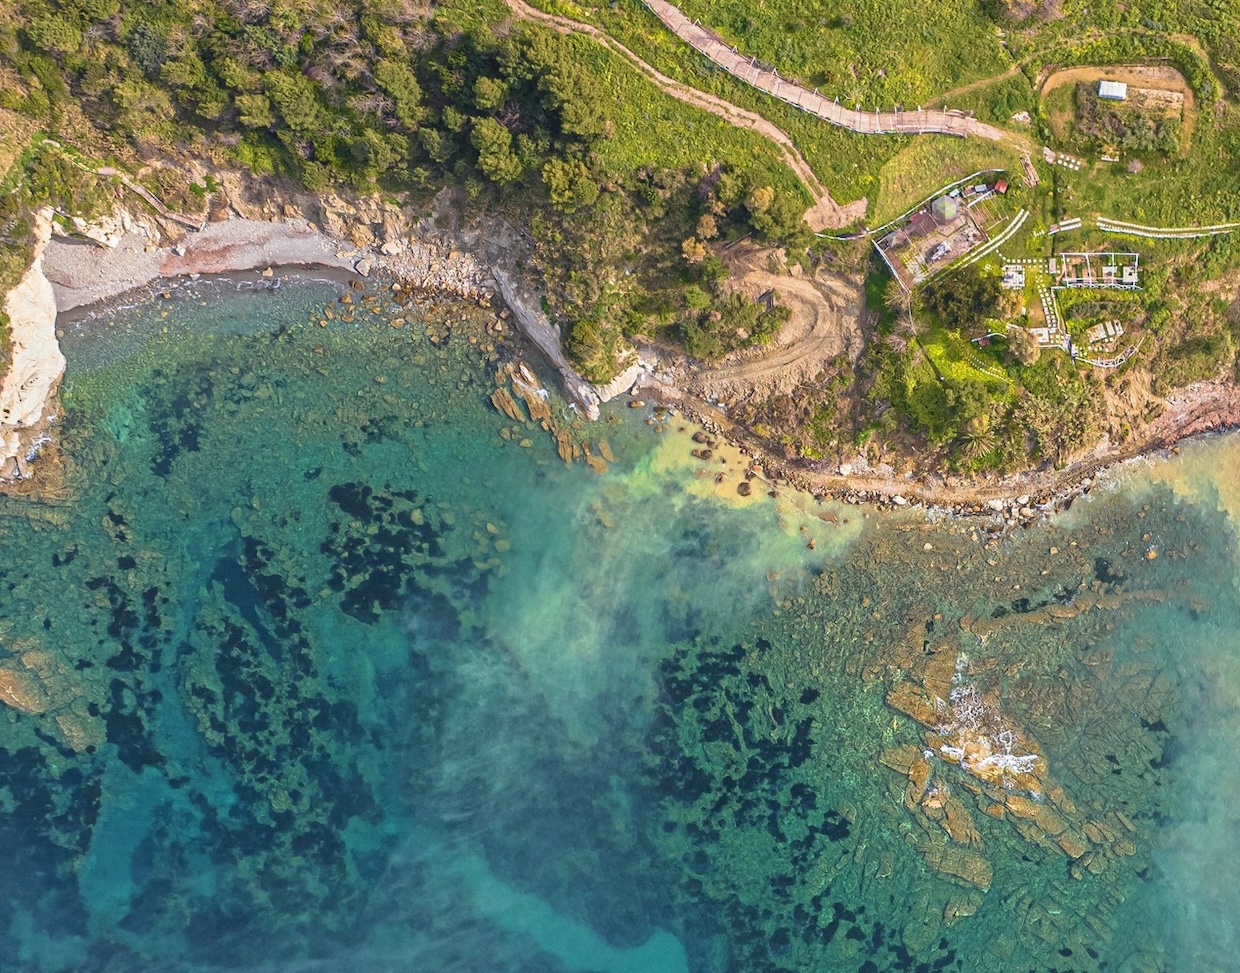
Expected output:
(941, 121)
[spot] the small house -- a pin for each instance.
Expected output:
(1001, 187)
(1113, 90)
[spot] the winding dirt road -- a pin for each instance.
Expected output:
(824, 323)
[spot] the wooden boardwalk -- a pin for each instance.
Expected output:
(919, 121)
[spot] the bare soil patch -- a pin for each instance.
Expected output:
(825, 323)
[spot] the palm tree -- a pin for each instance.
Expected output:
(977, 438)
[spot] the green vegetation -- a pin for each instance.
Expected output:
(875, 53)
(964, 300)
(1108, 126)
(1195, 323)
(926, 165)
(1169, 191)
(556, 132)
(653, 129)
(628, 193)
(998, 407)
(848, 164)
(994, 408)
(998, 100)
(1134, 46)
(1046, 411)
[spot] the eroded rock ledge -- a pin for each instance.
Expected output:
(36, 365)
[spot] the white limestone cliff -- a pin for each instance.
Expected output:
(36, 363)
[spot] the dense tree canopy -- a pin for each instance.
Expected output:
(965, 299)
(393, 95)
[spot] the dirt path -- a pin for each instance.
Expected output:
(964, 89)
(825, 213)
(824, 323)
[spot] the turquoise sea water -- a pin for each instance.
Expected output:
(326, 665)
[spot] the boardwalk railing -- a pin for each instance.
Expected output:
(1120, 228)
(764, 78)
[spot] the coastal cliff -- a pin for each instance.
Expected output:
(539, 329)
(248, 225)
(36, 366)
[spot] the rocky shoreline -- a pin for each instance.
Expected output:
(251, 228)
(1020, 500)
(80, 266)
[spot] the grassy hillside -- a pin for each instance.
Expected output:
(877, 53)
(650, 128)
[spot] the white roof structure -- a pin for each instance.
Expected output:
(1113, 90)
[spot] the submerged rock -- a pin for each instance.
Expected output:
(502, 399)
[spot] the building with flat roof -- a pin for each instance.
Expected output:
(1110, 270)
(1113, 90)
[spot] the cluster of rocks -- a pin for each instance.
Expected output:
(109, 231)
(972, 756)
(430, 267)
(1004, 514)
(36, 681)
(521, 397)
(984, 626)
(409, 245)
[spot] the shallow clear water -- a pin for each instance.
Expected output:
(328, 665)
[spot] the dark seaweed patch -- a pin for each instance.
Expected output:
(175, 407)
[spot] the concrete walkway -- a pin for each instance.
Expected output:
(919, 121)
